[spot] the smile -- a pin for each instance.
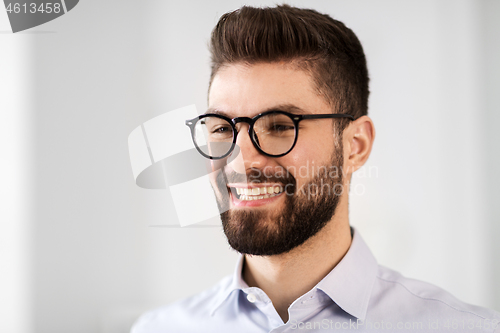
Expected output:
(256, 193)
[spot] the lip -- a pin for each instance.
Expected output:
(252, 185)
(252, 203)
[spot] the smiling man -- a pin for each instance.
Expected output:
(286, 127)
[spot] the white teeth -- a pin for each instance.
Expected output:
(258, 193)
(250, 198)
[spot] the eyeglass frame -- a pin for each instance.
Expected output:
(296, 118)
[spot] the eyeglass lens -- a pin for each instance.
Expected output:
(274, 133)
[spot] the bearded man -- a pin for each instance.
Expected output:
(286, 127)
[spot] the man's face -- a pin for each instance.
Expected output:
(308, 179)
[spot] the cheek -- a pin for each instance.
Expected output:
(213, 179)
(304, 160)
(315, 151)
(216, 165)
(314, 144)
(301, 164)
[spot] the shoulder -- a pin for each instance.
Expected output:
(187, 315)
(417, 300)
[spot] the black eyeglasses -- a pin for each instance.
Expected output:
(273, 133)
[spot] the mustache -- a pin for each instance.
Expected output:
(255, 176)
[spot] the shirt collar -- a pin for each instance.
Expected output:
(349, 284)
(237, 283)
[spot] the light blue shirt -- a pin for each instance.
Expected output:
(357, 295)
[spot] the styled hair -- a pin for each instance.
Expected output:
(312, 41)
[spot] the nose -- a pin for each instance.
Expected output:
(249, 157)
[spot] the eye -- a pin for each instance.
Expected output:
(278, 127)
(221, 129)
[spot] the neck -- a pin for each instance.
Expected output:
(286, 277)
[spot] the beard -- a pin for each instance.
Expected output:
(305, 212)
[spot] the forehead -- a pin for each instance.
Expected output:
(245, 90)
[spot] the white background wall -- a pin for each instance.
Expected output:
(78, 252)
(16, 172)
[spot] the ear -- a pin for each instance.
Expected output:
(358, 138)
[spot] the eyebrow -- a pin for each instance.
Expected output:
(293, 109)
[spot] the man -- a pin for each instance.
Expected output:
(286, 127)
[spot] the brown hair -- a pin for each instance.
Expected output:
(315, 42)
